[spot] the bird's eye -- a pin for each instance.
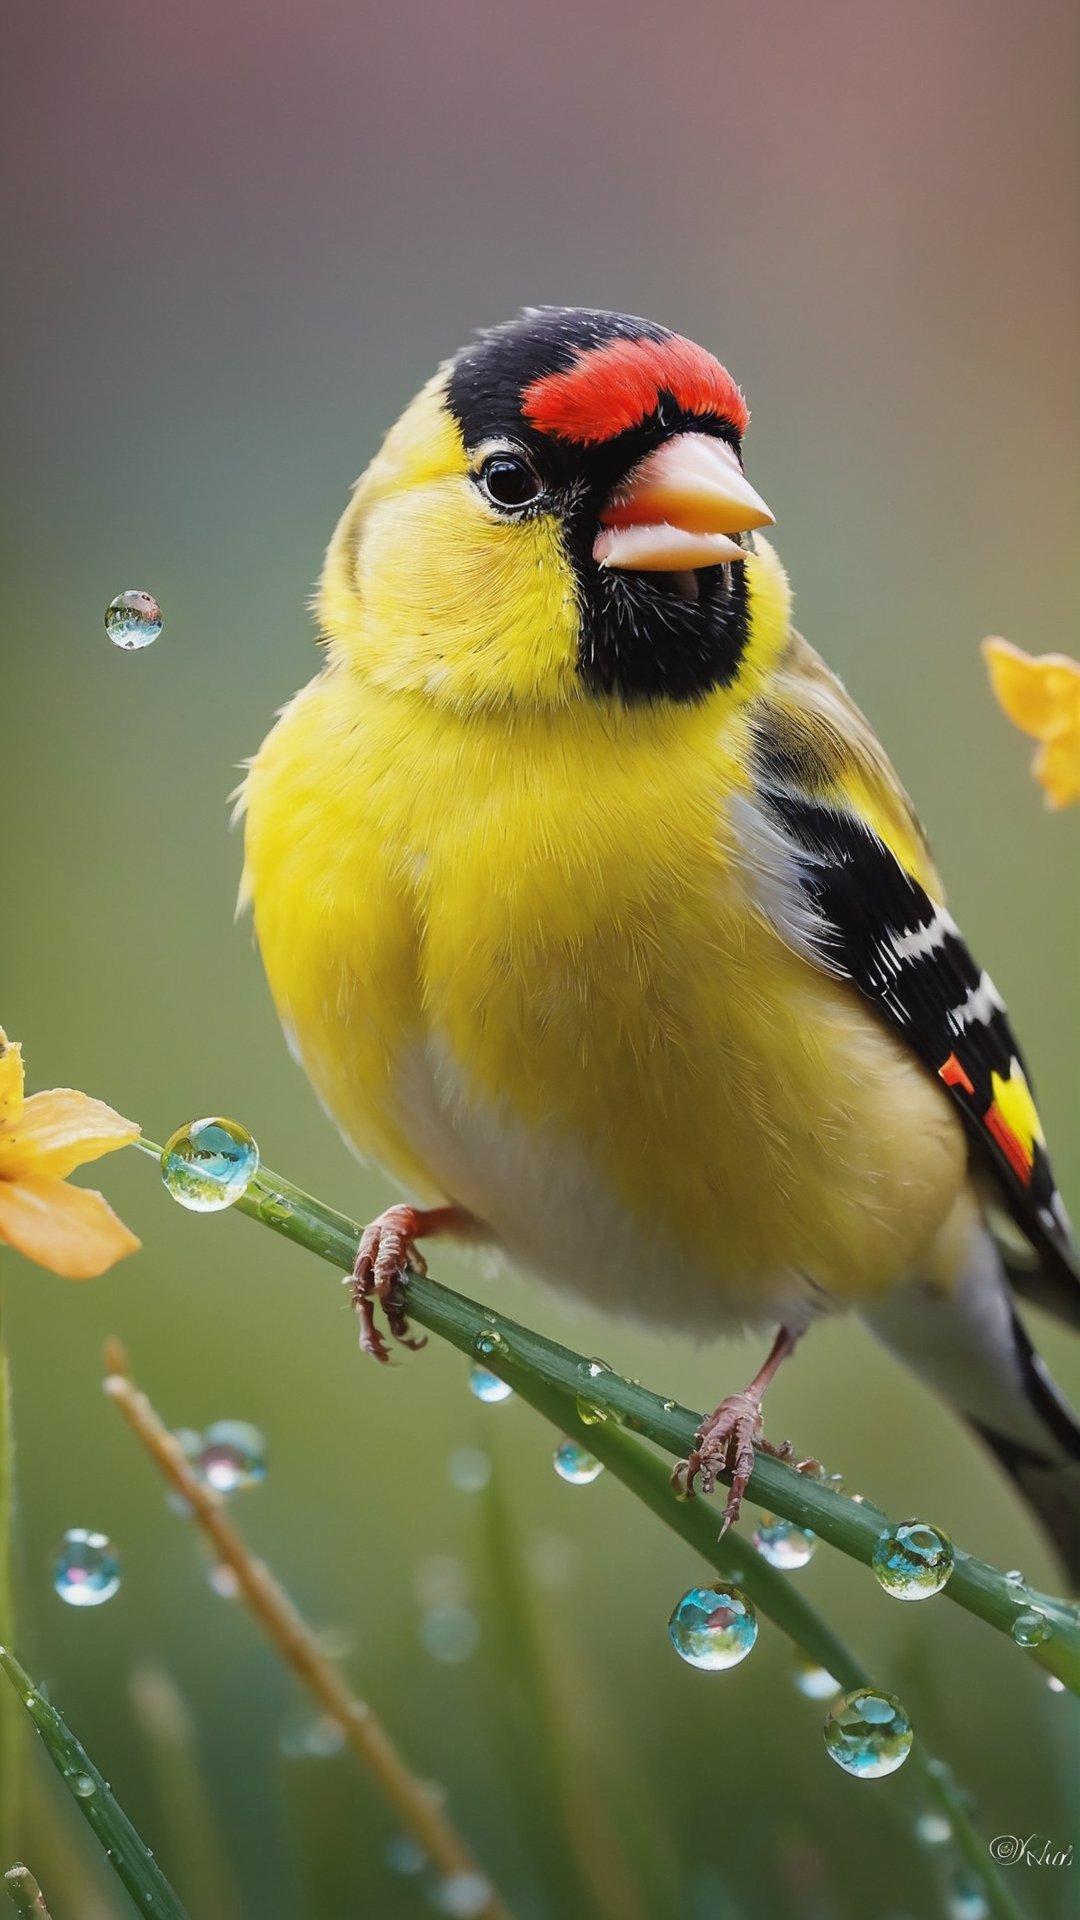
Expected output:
(509, 480)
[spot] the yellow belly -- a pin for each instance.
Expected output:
(519, 965)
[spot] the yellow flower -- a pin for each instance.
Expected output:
(42, 1140)
(1042, 697)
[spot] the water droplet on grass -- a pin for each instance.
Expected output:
(209, 1164)
(817, 1683)
(933, 1829)
(868, 1734)
(487, 1386)
(713, 1628)
(462, 1895)
(575, 1465)
(306, 1736)
(913, 1561)
(966, 1897)
(133, 620)
(405, 1855)
(232, 1455)
(782, 1543)
(81, 1785)
(489, 1340)
(1030, 1629)
(87, 1570)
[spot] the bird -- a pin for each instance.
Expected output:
(596, 915)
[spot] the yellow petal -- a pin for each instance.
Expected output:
(1039, 695)
(1057, 769)
(59, 1131)
(11, 1079)
(74, 1232)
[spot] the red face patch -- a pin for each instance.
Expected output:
(611, 388)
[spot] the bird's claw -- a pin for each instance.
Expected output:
(387, 1250)
(726, 1443)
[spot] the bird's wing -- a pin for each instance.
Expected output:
(871, 910)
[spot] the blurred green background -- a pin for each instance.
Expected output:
(242, 236)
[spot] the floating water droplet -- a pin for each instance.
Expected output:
(1030, 1629)
(133, 620)
(933, 1829)
(782, 1543)
(82, 1785)
(868, 1734)
(487, 1386)
(469, 1469)
(713, 1627)
(817, 1683)
(232, 1456)
(209, 1164)
(966, 1897)
(87, 1569)
(462, 1895)
(450, 1633)
(913, 1561)
(307, 1736)
(405, 1855)
(574, 1464)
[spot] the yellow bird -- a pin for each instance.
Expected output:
(596, 914)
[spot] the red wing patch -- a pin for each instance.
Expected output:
(617, 386)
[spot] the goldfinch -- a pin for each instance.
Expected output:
(596, 914)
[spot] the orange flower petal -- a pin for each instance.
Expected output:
(59, 1131)
(74, 1232)
(1041, 695)
(11, 1079)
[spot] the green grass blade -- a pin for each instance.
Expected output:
(129, 1857)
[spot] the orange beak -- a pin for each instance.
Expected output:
(677, 507)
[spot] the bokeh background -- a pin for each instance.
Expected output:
(239, 238)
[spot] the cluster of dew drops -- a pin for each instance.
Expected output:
(209, 1164)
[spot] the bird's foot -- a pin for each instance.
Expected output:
(387, 1250)
(725, 1443)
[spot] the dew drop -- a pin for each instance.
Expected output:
(913, 1561)
(209, 1164)
(589, 1412)
(868, 1734)
(1055, 1685)
(573, 1464)
(1015, 1577)
(817, 1683)
(87, 1568)
(450, 1633)
(966, 1897)
(782, 1543)
(469, 1469)
(82, 1785)
(133, 620)
(306, 1736)
(224, 1580)
(405, 1855)
(462, 1895)
(713, 1627)
(1030, 1629)
(933, 1829)
(669, 1406)
(486, 1386)
(232, 1456)
(489, 1340)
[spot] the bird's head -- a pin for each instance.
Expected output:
(562, 513)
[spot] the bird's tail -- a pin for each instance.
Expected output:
(968, 1342)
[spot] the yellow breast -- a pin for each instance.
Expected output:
(519, 960)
